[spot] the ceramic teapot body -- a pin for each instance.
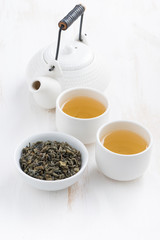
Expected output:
(76, 66)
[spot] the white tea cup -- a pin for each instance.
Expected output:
(122, 167)
(84, 129)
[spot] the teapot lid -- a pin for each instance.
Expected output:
(73, 55)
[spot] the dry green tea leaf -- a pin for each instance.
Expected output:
(50, 160)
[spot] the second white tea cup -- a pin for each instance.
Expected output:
(122, 167)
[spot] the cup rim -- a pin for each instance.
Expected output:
(81, 88)
(125, 121)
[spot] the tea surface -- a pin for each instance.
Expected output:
(83, 107)
(124, 142)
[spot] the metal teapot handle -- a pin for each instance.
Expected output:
(72, 16)
(66, 22)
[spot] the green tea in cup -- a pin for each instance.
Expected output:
(124, 142)
(83, 107)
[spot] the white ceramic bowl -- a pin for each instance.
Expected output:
(55, 184)
(83, 129)
(119, 166)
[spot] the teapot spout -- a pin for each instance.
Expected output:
(45, 91)
(35, 85)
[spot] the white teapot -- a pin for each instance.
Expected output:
(74, 64)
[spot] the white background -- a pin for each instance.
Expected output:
(127, 34)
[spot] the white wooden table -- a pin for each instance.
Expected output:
(127, 34)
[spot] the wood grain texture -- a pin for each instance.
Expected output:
(78, 192)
